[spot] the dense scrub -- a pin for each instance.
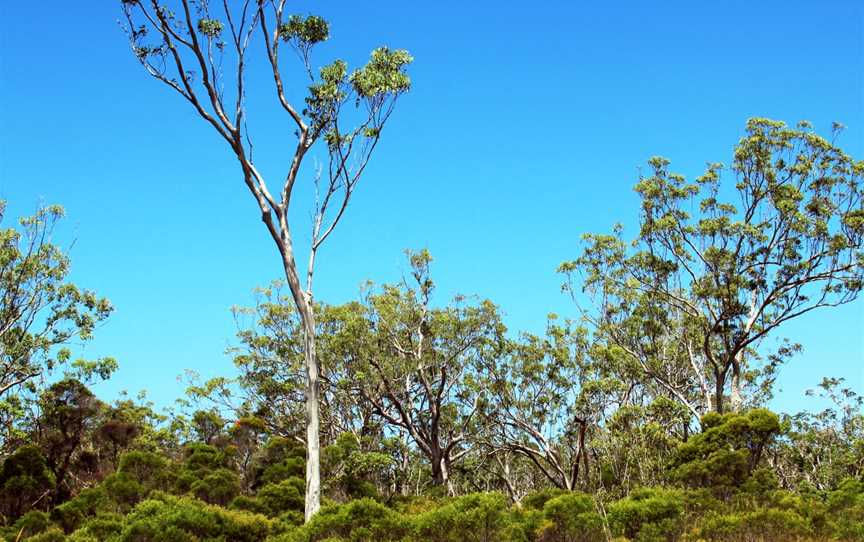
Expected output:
(720, 488)
(647, 515)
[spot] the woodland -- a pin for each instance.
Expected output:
(402, 416)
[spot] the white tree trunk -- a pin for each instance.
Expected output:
(313, 446)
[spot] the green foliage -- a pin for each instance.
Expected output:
(352, 469)
(362, 520)
(40, 314)
(571, 517)
(210, 27)
(538, 499)
(50, 535)
(218, 487)
(87, 504)
(24, 478)
(764, 525)
(305, 30)
(280, 460)
(165, 518)
(281, 497)
(648, 514)
(30, 524)
(846, 508)
(384, 74)
(479, 517)
(727, 451)
(99, 528)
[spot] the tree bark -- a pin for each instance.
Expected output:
(313, 447)
(736, 399)
(441, 473)
(719, 385)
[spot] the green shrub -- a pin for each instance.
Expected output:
(480, 517)
(72, 513)
(102, 527)
(726, 452)
(150, 470)
(30, 524)
(219, 487)
(124, 490)
(279, 460)
(648, 514)
(571, 517)
(765, 525)
(363, 520)
(165, 518)
(287, 495)
(846, 511)
(248, 504)
(536, 500)
(51, 535)
(24, 478)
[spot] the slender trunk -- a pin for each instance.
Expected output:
(586, 475)
(313, 447)
(405, 475)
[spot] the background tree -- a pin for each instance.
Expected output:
(200, 51)
(733, 272)
(419, 367)
(69, 415)
(40, 314)
(820, 449)
(537, 410)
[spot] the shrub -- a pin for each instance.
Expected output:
(218, 487)
(571, 517)
(279, 460)
(102, 527)
(363, 520)
(30, 524)
(480, 517)
(72, 513)
(846, 510)
(124, 490)
(287, 495)
(536, 500)
(148, 469)
(727, 451)
(648, 514)
(165, 518)
(765, 525)
(24, 477)
(51, 535)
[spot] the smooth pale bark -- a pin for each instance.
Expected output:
(313, 446)
(306, 309)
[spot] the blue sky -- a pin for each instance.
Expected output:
(526, 127)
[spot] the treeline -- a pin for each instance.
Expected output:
(641, 418)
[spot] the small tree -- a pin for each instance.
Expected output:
(200, 52)
(540, 407)
(421, 367)
(731, 273)
(40, 313)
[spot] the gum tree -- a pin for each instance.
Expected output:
(729, 258)
(201, 50)
(419, 367)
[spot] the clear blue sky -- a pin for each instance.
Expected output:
(526, 128)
